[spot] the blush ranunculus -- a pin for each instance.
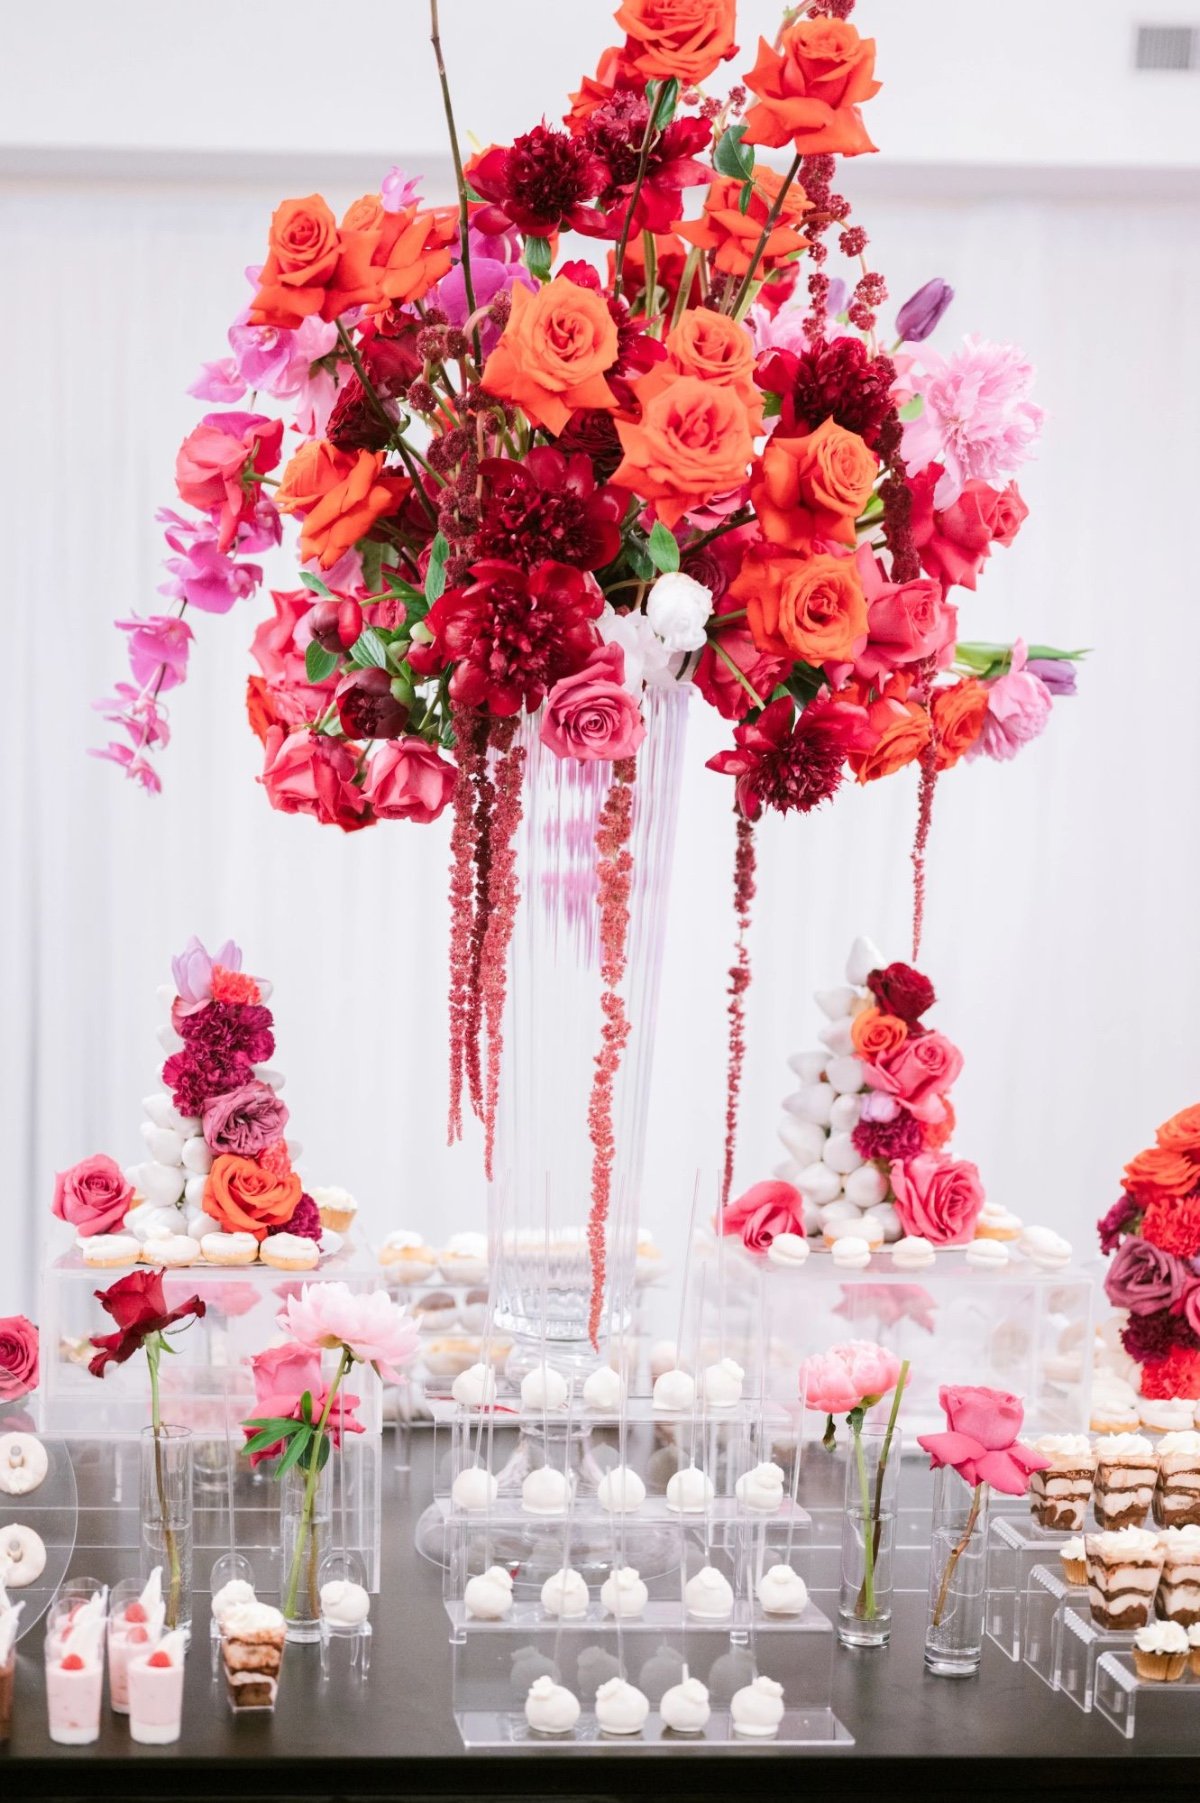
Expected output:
(94, 1196)
(681, 38)
(810, 89)
(875, 1033)
(553, 353)
(733, 236)
(813, 487)
(210, 462)
(302, 255)
(958, 716)
(406, 779)
(310, 773)
(244, 1197)
(937, 1198)
(1182, 1132)
(691, 443)
(339, 495)
(954, 542)
(1162, 1168)
(919, 1072)
(980, 1441)
(591, 714)
(765, 1210)
(245, 1120)
(811, 608)
(18, 1357)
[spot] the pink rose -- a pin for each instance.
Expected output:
(765, 1210)
(937, 1198)
(407, 780)
(310, 773)
(906, 623)
(18, 1357)
(592, 714)
(210, 461)
(980, 1441)
(919, 1071)
(282, 1374)
(954, 543)
(274, 646)
(94, 1195)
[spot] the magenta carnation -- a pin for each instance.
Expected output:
(1123, 1217)
(902, 1137)
(306, 1221)
(1147, 1338)
(193, 1076)
(225, 1032)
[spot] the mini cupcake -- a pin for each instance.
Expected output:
(1074, 1560)
(337, 1208)
(406, 1258)
(1059, 1495)
(1126, 1473)
(1160, 1652)
(1193, 1635)
(465, 1259)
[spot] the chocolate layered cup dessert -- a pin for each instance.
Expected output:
(252, 1641)
(1059, 1496)
(1126, 1473)
(1179, 1586)
(1177, 1492)
(1123, 1570)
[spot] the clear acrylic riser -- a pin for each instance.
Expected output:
(207, 1383)
(1128, 1701)
(1021, 1329)
(1060, 1641)
(52, 1512)
(1016, 1546)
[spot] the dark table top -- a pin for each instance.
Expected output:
(395, 1735)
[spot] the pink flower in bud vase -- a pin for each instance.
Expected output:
(1019, 705)
(591, 715)
(855, 1375)
(980, 1441)
(157, 644)
(826, 1385)
(369, 1326)
(765, 1210)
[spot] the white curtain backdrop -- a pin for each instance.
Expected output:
(1061, 920)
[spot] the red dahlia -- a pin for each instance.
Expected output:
(542, 181)
(783, 762)
(511, 634)
(549, 506)
(838, 380)
(356, 423)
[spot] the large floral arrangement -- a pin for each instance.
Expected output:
(525, 480)
(1153, 1232)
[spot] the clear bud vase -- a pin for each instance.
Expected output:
(166, 1517)
(305, 1516)
(869, 1538)
(957, 1576)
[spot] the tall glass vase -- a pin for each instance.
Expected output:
(541, 1197)
(957, 1576)
(869, 1538)
(165, 1506)
(305, 1522)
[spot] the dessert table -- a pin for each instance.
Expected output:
(396, 1732)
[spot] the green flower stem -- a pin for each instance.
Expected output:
(153, 1349)
(743, 293)
(306, 1538)
(864, 1491)
(884, 1455)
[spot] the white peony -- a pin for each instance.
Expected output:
(678, 607)
(647, 660)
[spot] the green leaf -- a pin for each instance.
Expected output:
(664, 99)
(319, 663)
(664, 548)
(405, 590)
(745, 196)
(296, 1450)
(1050, 651)
(435, 575)
(913, 409)
(323, 1454)
(372, 563)
(536, 257)
(369, 650)
(733, 158)
(314, 583)
(638, 559)
(306, 1408)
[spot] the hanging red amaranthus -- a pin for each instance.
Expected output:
(501, 913)
(462, 914)
(614, 872)
(739, 983)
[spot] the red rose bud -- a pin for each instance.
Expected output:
(919, 315)
(367, 708)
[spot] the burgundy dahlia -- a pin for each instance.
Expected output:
(902, 991)
(838, 380)
(542, 181)
(900, 1138)
(549, 506)
(1147, 1338)
(1123, 1217)
(356, 422)
(367, 708)
(784, 762)
(229, 1030)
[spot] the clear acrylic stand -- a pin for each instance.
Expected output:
(1047, 1595)
(52, 1512)
(1081, 1642)
(348, 1568)
(1124, 1699)
(1016, 1545)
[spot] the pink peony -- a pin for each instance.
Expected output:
(855, 1375)
(94, 1196)
(310, 773)
(1019, 705)
(370, 1326)
(765, 1210)
(980, 1441)
(158, 649)
(977, 420)
(938, 1198)
(407, 780)
(826, 1386)
(919, 1072)
(18, 1357)
(591, 714)
(211, 460)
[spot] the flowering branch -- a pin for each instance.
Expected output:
(739, 982)
(614, 873)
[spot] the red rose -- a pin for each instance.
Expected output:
(407, 780)
(938, 1198)
(139, 1308)
(591, 715)
(766, 1209)
(718, 684)
(309, 773)
(94, 1195)
(18, 1357)
(955, 543)
(902, 991)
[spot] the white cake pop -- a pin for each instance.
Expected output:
(685, 1707)
(674, 1391)
(544, 1388)
(621, 1708)
(623, 1592)
(474, 1387)
(690, 1491)
(603, 1389)
(761, 1489)
(621, 1491)
(709, 1595)
(757, 1710)
(474, 1490)
(551, 1708)
(545, 1491)
(565, 1593)
(781, 1591)
(489, 1597)
(723, 1384)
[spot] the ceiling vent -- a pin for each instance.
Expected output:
(1162, 47)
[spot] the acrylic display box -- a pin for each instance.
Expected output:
(206, 1386)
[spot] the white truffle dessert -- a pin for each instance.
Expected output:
(757, 1709)
(551, 1708)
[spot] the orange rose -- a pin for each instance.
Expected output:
(1162, 1169)
(1182, 1132)
(302, 254)
(875, 1033)
(692, 442)
(809, 89)
(813, 487)
(734, 235)
(339, 495)
(812, 608)
(958, 716)
(594, 90)
(684, 38)
(713, 348)
(553, 353)
(244, 1197)
(414, 252)
(903, 729)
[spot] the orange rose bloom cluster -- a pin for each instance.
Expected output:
(810, 89)
(692, 442)
(958, 716)
(339, 495)
(900, 730)
(373, 258)
(243, 1196)
(554, 352)
(875, 1033)
(806, 607)
(813, 487)
(733, 235)
(681, 38)
(714, 348)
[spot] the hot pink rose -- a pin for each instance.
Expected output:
(18, 1357)
(210, 461)
(282, 1374)
(407, 780)
(980, 1441)
(592, 714)
(765, 1210)
(94, 1195)
(919, 1071)
(954, 543)
(938, 1198)
(310, 773)
(274, 646)
(906, 623)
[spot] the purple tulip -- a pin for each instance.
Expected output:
(919, 315)
(1058, 673)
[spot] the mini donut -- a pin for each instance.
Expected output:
(22, 1556)
(23, 1464)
